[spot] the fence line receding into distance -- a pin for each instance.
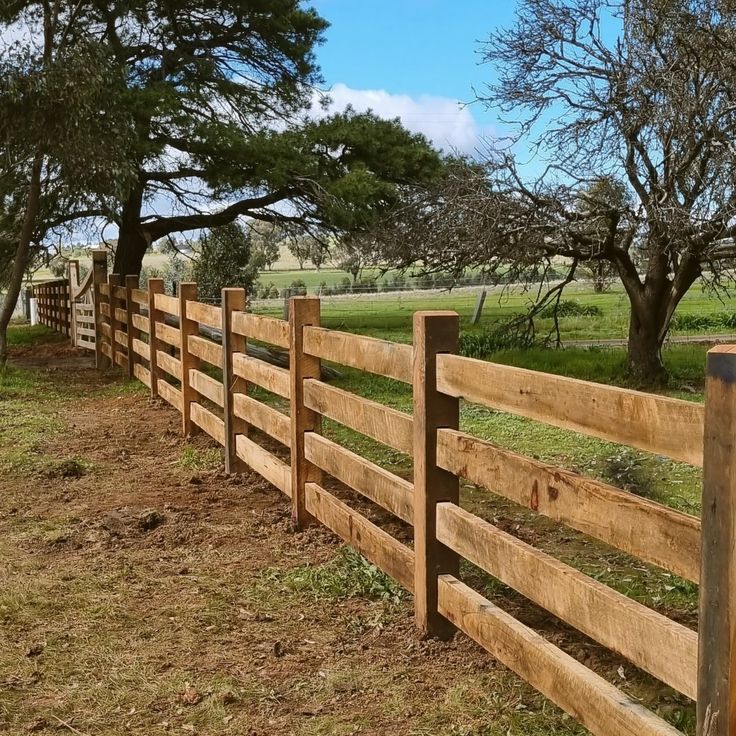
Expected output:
(206, 380)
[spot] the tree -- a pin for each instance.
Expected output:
(62, 134)
(225, 260)
(318, 251)
(219, 92)
(299, 246)
(641, 91)
(265, 238)
(352, 253)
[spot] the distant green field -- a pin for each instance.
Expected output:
(390, 315)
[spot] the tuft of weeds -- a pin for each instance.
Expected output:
(347, 575)
(73, 467)
(193, 458)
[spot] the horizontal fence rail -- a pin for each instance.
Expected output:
(199, 358)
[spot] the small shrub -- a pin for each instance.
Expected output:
(483, 344)
(571, 308)
(699, 322)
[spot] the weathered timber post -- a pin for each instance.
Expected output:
(233, 300)
(716, 705)
(131, 282)
(155, 316)
(99, 276)
(434, 332)
(303, 311)
(73, 278)
(115, 281)
(187, 327)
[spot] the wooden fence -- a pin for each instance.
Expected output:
(54, 305)
(134, 330)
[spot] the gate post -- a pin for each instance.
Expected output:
(115, 281)
(187, 327)
(434, 332)
(131, 282)
(99, 276)
(716, 706)
(155, 286)
(233, 300)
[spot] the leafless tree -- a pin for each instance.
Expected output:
(639, 92)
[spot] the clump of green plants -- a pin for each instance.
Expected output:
(697, 322)
(193, 458)
(571, 308)
(347, 575)
(502, 337)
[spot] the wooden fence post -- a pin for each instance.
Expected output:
(114, 280)
(434, 332)
(303, 311)
(716, 706)
(233, 300)
(155, 286)
(99, 276)
(187, 327)
(131, 282)
(73, 280)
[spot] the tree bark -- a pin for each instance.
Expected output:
(20, 261)
(133, 241)
(644, 356)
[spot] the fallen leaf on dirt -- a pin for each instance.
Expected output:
(35, 649)
(190, 695)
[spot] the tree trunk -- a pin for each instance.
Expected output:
(20, 262)
(644, 357)
(132, 241)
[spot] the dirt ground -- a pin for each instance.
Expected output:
(142, 591)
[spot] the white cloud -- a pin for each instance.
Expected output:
(447, 123)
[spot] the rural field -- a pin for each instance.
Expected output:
(143, 589)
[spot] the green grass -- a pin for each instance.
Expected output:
(346, 575)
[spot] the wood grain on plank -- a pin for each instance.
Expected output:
(206, 350)
(266, 376)
(169, 363)
(382, 357)
(648, 530)
(205, 314)
(166, 303)
(657, 424)
(207, 386)
(169, 393)
(264, 417)
(141, 348)
(382, 423)
(209, 422)
(169, 335)
(265, 463)
(142, 374)
(265, 329)
(662, 647)
(141, 323)
(602, 708)
(384, 488)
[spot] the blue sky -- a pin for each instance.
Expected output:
(413, 58)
